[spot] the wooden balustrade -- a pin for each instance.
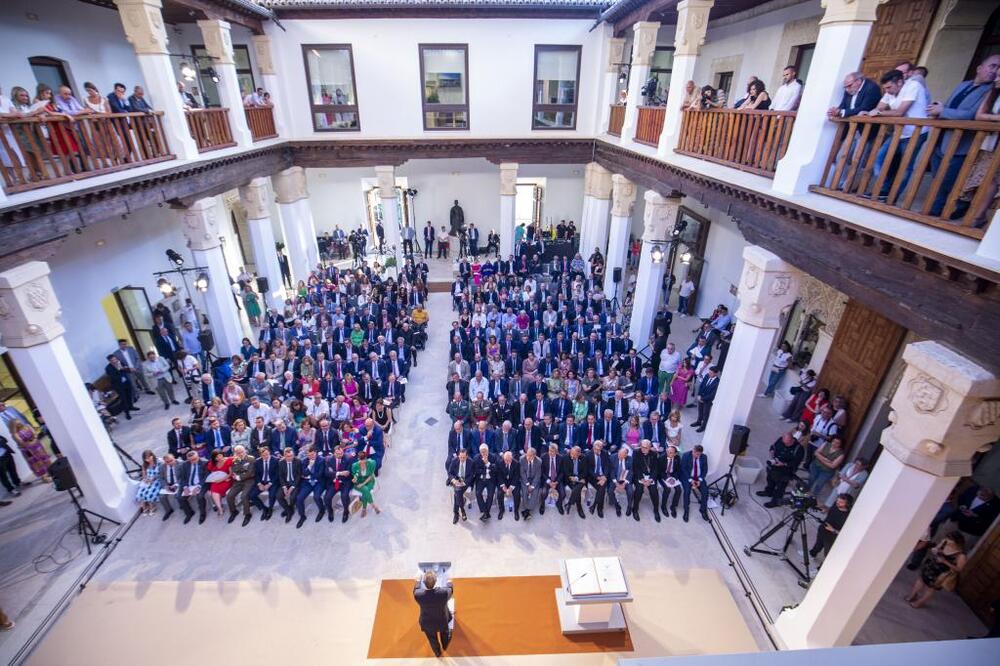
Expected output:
(210, 128)
(38, 151)
(261, 122)
(927, 170)
(616, 119)
(649, 125)
(749, 140)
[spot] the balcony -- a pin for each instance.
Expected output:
(43, 150)
(616, 119)
(751, 141)
(261, 122)
(901, 166)
(649, 125)
(210, 128)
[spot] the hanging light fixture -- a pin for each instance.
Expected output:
(187, 71)
(175, 258)
(656, 254)
(686, 258)
(167, 289)
(212, 74)
(201, 282)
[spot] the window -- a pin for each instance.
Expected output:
(330, 79)
(557, 80)
(662, 66)
(209, 88)
(803, 59)
(444, 79)
(50, 71)
(724, 80)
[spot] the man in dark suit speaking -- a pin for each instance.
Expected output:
(434, 613)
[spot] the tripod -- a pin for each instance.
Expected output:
(127, 458)
(796, 523)
(85, 527)
(726, 492)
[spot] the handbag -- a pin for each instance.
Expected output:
(795, 390)
(947, 581)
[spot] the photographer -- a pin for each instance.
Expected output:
(786, 456)
(830, 528)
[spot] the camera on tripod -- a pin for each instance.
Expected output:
(800, 499)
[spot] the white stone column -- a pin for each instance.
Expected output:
(269, 79)
(219, 44)
(643, 47)
(622, 203)
(659, 218)
(296, 221)
(596, 206)
(843, 34)
(768, 285)
(989, 245)
(616, 58)
(945, 409)
(201, 228)
(508, 195)
(385, 179)
(257, 203)
(33, 335)
(692, 23)
(144, 30)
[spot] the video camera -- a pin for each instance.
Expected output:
(800, 499)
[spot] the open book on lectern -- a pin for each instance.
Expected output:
(591, 576)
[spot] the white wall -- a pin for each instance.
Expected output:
(723, 260)
(387, 72)
(185, 35)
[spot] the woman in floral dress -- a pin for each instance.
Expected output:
(149, 486)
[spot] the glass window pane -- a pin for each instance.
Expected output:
(554, 119)
(444, 76)
(663, 59)
(241, 56)
(556, 77)
(805, 61)
(331, 120)
(330, 78)
(446, 120)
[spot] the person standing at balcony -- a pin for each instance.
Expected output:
(860, 94)
(789, 92)
(137, 100)
(692, 96)
(757, 97)
(187, 99)
(989, 111)
(906, 99)
(66, 103)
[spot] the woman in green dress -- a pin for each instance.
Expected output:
(252, 304)
(363, 477)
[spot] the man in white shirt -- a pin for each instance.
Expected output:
(683, 295)
(670, 360)
(257, 408)
(788, 94)
(317, 409)
(479, 384)
(901, 98)
(157, 370)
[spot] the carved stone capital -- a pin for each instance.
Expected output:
(290, 185)
(945, 410)
(29, 309)
(622, 196)
(385, 181)
(218, 41)
(201, 224)
(508, 178)
(597, 181)
(849, 11)
(616, 54)
(659, 216)
(262, 53)
(143, 23)
(644, 42)
(692, 23)
(255, 199)
(768, 285)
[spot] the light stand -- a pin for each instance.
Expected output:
(726, 492)
(84, 525)
(795, 521)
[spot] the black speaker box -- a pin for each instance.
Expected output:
(262, 285)
(617, 275)
(738, 439)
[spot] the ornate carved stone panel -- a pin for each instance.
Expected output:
(143, 23)
(508, 178)
(623, 196)
(29, 309)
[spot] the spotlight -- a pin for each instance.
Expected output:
(201, 282)
(187, 71)
(656, 254)
(175, 258)
(212, 74)
(167, 289)
(686, 258)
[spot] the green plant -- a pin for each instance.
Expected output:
(390, 262)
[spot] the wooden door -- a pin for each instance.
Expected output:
(979, 582)
(897, 35)
(862, 350)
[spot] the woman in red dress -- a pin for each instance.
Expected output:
(814, 404)
(219, 463)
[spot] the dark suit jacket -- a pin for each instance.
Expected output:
(453, 471)
(867, 99)
(184, 443)
(272, 471)
(707, 389)
(434, 613)
(278, 443)
(480, 468)
(582, 469)
(511, 477)
(202, 473)
(330, 469)
(607, 465)
(644, 464)
(283, 473)
(534, 438)
(687, 467)
(546, 468)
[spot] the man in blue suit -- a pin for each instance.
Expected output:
(337, 479)
(694, 467)
(283, 437)
(705, 397)
(217, 436)
(374, 442)
(483, 434)
(265, 482)
(311, 482)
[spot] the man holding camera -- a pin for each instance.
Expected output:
(786, 456)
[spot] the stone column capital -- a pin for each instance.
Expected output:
(262, 52)
(616, 54)
(508, 178)
(644, 42)
(597, 181)
(622, 196)
(218, 40)
(201, 224)
(659, 217)
(768, 285)
(385, 181)
(143, 23)
(290, 185)
(692, 24)
(849, 11)
(29, 309)
(945, 409)
(255, 200)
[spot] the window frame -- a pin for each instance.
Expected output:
(315, 109)
(430, 107)
(800, 51)
(555, 108)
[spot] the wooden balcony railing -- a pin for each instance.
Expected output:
(927, 170)
(649, 125)
(751, 141)
(261, 122)
(46, 150)
(210, 128)
(616, 119)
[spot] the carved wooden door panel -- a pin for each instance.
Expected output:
(862, 350)
(979, 583)
(897, 35)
